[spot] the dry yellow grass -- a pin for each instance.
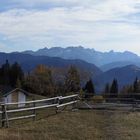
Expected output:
(78, 125)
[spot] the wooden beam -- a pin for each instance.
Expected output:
(31, 108)
(72, 102)
(35, 101)
(21, 117)
(66, 97)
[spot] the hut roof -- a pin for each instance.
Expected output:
(6, 90)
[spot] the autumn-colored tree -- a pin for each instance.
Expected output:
(18, 83)
(72, 81)
(40, 81)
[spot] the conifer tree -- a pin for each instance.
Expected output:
(107, 88)
(136, 85)
(114, 87)
(89, 87)
(5, 73)
(16, 73)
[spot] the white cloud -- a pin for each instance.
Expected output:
(93, 23)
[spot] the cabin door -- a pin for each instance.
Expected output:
(21, 98)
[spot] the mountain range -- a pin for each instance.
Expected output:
(100, 59)
(101, 67)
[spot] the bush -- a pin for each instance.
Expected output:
(98, 99)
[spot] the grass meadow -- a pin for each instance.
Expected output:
(76, 125)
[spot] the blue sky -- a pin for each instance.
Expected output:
(100, 24)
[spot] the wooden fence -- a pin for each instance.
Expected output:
(59, 103)
(56, 102)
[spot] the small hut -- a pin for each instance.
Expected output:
(10, 95)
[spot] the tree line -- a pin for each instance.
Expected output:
(11, 75)
(133, 88)
(42, 81)
(113, 88)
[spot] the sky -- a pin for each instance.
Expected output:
(100, 24)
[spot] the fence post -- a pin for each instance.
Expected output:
(74, 106)
(3, 115)
(34, 111)
(6, 116)
(57, 101)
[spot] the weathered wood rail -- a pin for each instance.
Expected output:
(56, 102)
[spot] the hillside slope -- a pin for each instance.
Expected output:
(120, 64)
(124, 75)
(29, 62)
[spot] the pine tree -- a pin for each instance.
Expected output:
(16, 73)
(89, 87)
(114, 87)
(136, 85)
(107, 88)
(5, 73)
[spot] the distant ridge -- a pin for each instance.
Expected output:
(88, 55)
(29, 62)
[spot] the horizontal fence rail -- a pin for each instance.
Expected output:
(69, 103)
(66, 97)
(21, 117)
(31, 108)
(35, 101)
